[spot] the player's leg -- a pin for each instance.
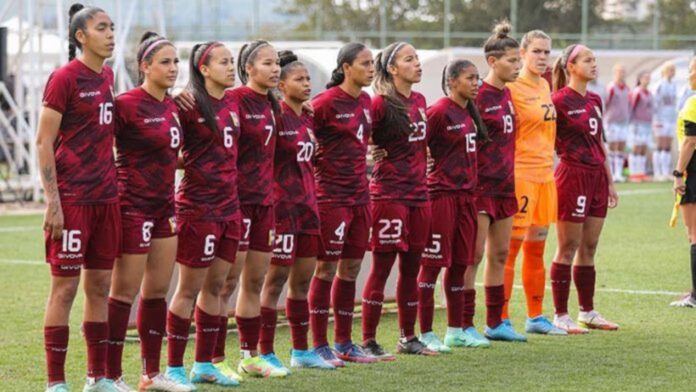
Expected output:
(689, 214)
(270, 293)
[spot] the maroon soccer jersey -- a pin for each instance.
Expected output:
(452, 142)
(579, 127)
(208, 190)
(496, 158)
(148, 138)
(342, 126)
(256, 146)
(84, 147)
(401, 175)
(294, 172)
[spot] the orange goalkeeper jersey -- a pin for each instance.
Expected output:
(536, 129)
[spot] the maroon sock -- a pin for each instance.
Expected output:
(469, 307)
(560, 286)
(319, 303)
(427, 279)
(56, 347)
(219, 351)
(297, 312)
(96, 336)
(454, 291)
(407, 293)
(119, 312)
(249, 328)
(343, 299)
(151, 321)
(495, 299)
(269, 319)
(373, 293)
(585, 276)
(177, 337)
(207, 326)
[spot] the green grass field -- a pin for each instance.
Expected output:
(641, 262)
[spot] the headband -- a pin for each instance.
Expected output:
(574, 53)
(259, 46)
(206, 52)
(393, 53)
(153, 45)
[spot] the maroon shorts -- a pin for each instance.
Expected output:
(582, 192)
(497, 208)
(289, 246)
(453, 232)
(397, 227)
(139, 231)
(345, 232)
(91, 239)
(201, 241)
(258, 225)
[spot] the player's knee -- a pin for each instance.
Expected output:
(325, 271)
(499, 256)
(298, 288)
(349, 270)
(274, 285)
(214, 287)
(589, 248)
(64, 294)
(229, 286)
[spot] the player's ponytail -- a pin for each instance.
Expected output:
(451, 72)
(150, 43)
(346, 55)
(78, 15)
(396, 121)
(497, 44)
(200, 56)
(247, 55)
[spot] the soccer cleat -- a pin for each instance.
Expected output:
(178, 375)
(328, 355)
(504, 333)
(434, 343)
(457, 337)
(414, 346)
(258, 367)
(206, 373)
(161, 383)
(541, 325)
(374, 349)
(101, 385)
(594, 320)
(474, 338)
(121, 385)
(454, 337)
(275, 362)
(350, 352)
(225, 368)
(567, 324)
(308, 359)
(687, 301)
(61, 387)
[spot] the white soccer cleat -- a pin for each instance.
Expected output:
(687, 301)
(567, 324)
(121, 385)
(162, 383)
(594, 320)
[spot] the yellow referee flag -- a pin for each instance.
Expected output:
(675, 211)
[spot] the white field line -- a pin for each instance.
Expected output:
(17, 229)
(649, 191)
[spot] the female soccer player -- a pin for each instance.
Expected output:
(585, 188)
(207, 213)
(399, 196)
(534, 185)
(616, 119)
(342, 125)
(297, 240)
(685, 180)
(454, 128)
(82, 223)
(641, 116)
(665, 120)
(495, 193)
(148, 138)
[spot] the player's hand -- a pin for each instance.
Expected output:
(54, 220)
(613, 197)
(378, 154)
(307, 106)
(679, 186)
(185, 100)
(429, 162)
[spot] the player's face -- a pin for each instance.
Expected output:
(296, 85)
(265, 71)
(619, 74)
(692, 74)
(362, 70)
(645, 80)
(507, 67)
(98, 37)
(163, 67)
(536, 55)
(585, 66)
(669, 73)
(220, 68)
(467, 83)
(407, 66)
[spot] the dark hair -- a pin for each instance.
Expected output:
(346, 55)
(396, 121)
(640, 76)
(78, 15)
(560, 68)
(451, 72)
(148, 39)
(196, 84)
(247, 55)
(288, 61)
(500, 41)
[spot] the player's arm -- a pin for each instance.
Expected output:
(613, 195)
(685, 153)
(49, 126)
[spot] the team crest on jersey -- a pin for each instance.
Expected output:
(424, 117)
(235, 119)
(172, 224)
(599, 112)
(367, 116)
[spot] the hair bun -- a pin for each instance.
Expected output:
(287, 57)
(502, 29)
(75, 8)
(147, 35)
